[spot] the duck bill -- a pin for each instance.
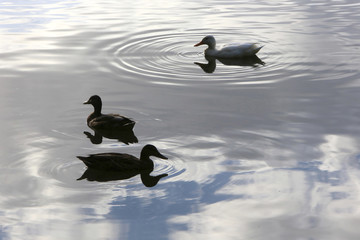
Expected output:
(86, 102)
(198, 44)
(159, 155)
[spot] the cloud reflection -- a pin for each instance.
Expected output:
(310, 189)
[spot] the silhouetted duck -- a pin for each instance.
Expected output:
(123, 161)
(97, 120)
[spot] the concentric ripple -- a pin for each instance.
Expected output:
(168, 58)
(65, 172)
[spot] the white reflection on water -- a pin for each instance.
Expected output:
(25, 16)
(317, 203)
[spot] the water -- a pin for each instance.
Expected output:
(261, 151)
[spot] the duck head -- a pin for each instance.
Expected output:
(150, 150)
(208, 40)
(95, 100)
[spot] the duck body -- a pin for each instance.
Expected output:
(97, 120)
(122, 161)
(109, 121)
(115, 162)
(230, 51)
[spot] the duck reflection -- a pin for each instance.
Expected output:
(118, 166)
(125, 136)
(106, 176)
(210, 67)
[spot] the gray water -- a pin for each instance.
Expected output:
(256, 151)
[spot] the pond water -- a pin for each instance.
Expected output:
(255, 150)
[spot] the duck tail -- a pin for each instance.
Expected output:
(256, 48)
(81, 178)
(85, 160)
(82, 158)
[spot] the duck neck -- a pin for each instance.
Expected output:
(212, 46)
(97, 109)
(145, 157)
(146, 161)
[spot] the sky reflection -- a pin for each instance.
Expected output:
(268, 152)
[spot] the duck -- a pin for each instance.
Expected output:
(231, 51)
(97, 120)
(123, 161)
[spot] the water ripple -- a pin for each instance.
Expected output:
(165, 57)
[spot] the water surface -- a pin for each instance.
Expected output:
(255, 150)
